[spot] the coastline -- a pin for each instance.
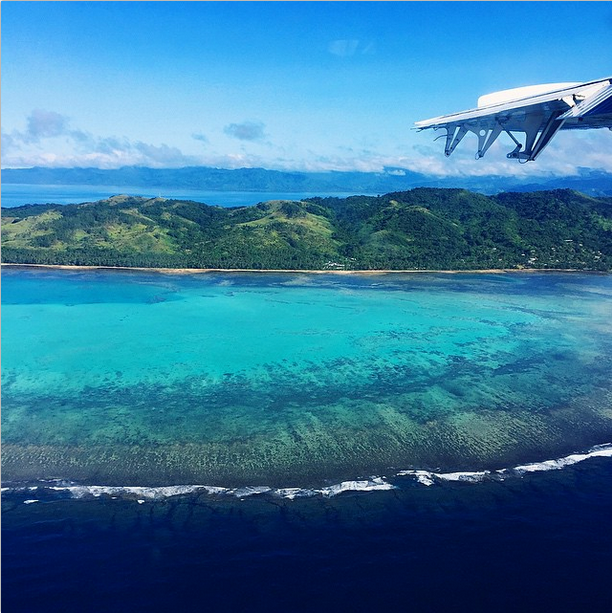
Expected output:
(188, 271)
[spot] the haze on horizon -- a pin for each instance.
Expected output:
(304, 86)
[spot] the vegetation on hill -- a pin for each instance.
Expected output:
(424, 228)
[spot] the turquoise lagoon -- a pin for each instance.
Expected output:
(297, 380)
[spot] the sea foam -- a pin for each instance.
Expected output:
(599, 451)
(428, 478)
(142, 494)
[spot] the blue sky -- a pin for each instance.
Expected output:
(285, 85)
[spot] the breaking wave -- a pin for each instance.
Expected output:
(144, 493)
(426, 477)
(45, 490)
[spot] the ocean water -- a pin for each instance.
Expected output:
(294, 380)
(14, 194)
(295, 442)
(537, 544)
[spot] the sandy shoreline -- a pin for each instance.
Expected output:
(188, 271)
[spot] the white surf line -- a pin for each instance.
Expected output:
(599, 451)
(144, 493)
(426, 477)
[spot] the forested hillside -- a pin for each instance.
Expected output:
(424, 228)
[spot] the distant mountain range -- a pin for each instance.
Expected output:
(594, 183)
(424, 228)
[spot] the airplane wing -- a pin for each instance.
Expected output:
(537, 111)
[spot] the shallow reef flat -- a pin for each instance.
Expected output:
(124, 378)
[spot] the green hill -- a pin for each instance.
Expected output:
(424, 228)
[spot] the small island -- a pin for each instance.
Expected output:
(421, 229)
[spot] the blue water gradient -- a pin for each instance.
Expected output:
(121, 378)
(419, 442)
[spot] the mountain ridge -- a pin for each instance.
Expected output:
(261, 179)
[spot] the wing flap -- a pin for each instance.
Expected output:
(598, 103)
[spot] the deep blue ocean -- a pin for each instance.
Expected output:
(290, 442)
(538, 544)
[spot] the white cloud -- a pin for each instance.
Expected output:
(199, 136)
(248, 130)
(566, 154)
(349, 47)
(136, 154)
(570, 153)
(44, 124)
(49, 141)
(343, 47)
